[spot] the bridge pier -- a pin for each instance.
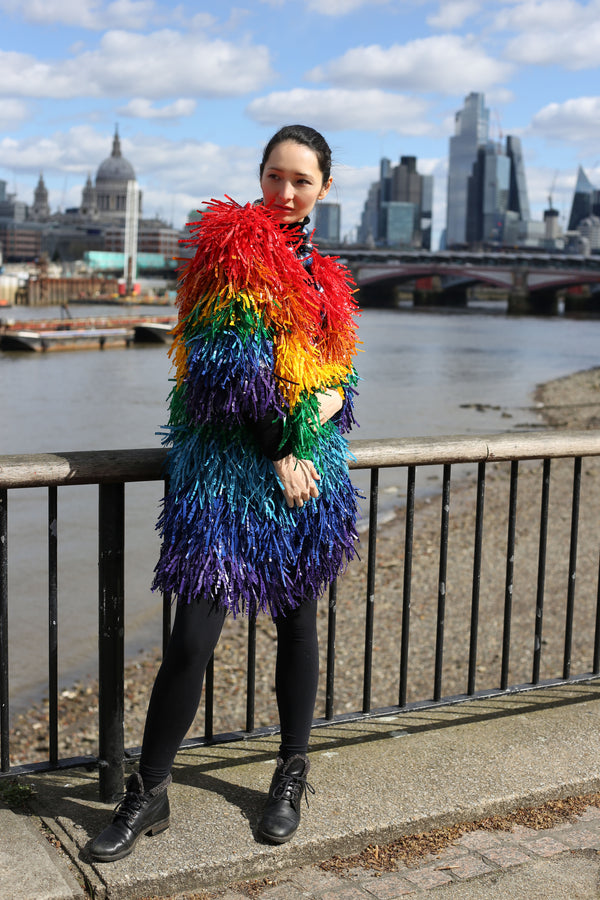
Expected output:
(429, 292)
(538, 303)
(523, 301)
(582, 299)
(519, 302)
(382, 294)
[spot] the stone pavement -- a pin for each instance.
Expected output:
(376, 781)
(561, 862)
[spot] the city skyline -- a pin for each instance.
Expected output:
(196, 94)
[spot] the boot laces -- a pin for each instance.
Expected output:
(128, 807)
(291, 787)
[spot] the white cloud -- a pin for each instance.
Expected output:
(576, 120)
(140, 108)
(543, 181)
(165, 63)
(337, 109)
(188, 169)
(340, 7)
(552, 32)
(91, 14)
(453, 13)
(330, 7)
(12, 114)
(450, 64)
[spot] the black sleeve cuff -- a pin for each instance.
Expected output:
(268, 434)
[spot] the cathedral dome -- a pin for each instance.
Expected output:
(115, 167)
(112, 178)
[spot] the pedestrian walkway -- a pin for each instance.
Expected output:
(376, 781)
(556, 863)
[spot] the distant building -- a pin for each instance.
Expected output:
(487, 188)
(112, 178)
(98, 224)
(586, 200)
(553, 232)
(398, 221)
(518, 199)
(398, 209)
(589, 228)
(327, 222)
(40, 211)
(471, 125)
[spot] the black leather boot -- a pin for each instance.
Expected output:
(281, 815)
(137, 813)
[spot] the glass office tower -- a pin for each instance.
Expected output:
(327, 222)
(584, 199)
(471, 132)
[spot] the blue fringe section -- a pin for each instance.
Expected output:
(228, 534)
(230, 375)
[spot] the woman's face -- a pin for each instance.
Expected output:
(292, 181)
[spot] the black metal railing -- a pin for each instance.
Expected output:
(111, 470)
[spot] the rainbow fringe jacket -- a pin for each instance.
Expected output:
(260, 333)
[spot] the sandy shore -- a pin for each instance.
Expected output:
(571, 402)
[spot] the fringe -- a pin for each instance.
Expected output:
(258, 333)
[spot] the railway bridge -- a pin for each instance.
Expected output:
(534, 282)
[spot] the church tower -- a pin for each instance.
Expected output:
(40, 211)
(89, 206)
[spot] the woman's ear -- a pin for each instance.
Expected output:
(325, 189)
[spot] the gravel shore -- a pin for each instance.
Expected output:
(570, 402)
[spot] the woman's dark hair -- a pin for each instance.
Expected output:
(308, 137)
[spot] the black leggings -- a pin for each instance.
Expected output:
(178, 686)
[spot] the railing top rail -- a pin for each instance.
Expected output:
(109, 466)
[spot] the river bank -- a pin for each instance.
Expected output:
(573, 402)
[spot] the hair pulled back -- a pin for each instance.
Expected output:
(306, 136)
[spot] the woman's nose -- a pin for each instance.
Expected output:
(286, 191)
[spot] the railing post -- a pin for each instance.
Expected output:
(543, 544)
(4, 738)
(510, 573)
(441, 608)
(331, 623)
(53, 624)
(251, 674)
(476, 586)
(407, 583)
(572, 566)
(370, 608)
(111, 607)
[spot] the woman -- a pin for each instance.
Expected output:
(260, 512)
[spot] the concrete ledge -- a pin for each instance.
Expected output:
(28, 866)
(375, 780)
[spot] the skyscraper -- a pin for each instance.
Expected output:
(518, 200)
(471, 132)
(586, 200)
(327, 222)
(398, 209)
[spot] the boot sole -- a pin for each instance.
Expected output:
(273, 839)
(155, 829)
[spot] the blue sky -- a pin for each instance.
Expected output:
(197, 89)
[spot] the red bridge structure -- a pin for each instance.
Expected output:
(535, 283)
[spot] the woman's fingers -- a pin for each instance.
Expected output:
(298, 478)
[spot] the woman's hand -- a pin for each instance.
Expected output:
(298, 479)
(330, 402)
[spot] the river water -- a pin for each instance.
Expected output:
(423, 373)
